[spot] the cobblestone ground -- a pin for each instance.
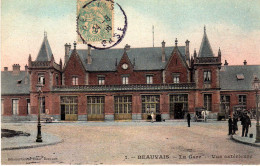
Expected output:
(134, 143)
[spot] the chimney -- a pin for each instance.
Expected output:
(67, 51)
(16, 69)
(187, 52)
(226, 63)
(89, 59)
(26, 68)
(5, 68)
(245, 63)
(127, 47)
(163, 51)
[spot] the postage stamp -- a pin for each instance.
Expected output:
(95, 20)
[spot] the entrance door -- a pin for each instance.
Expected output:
(69, 108)
(178, 111)
(150, 103)
(95, 108)
(62, 112)
(123, 107)
(178, 106)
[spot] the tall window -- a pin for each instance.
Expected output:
(75, 80)
(176, 78)
(57, 79)
(2, 106)
(150, 103)
(208, 102)
(15, 106)
(123, 104)
(207, 76)
(149, 79)
(41, 79)
(28, 106)
(125, 79)
(242, 99)
(95, 104)
(101, 80)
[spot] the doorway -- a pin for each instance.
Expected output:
(62, 112)
(178, 111)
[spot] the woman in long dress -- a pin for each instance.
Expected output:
(153, 117)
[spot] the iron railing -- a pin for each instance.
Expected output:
(132, 87)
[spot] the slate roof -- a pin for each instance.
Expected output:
(9, 83)
(229, 80)
(205, 48)
(145, 58)
(45, 53)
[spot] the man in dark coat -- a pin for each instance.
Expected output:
(235, 128)
(188, 119)
(230, 126)
(246, 122)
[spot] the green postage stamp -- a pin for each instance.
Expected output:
(95, 20)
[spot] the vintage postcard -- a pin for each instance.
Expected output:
(137, 82)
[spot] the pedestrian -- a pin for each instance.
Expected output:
(235, 128)
(153, 117)
(230, 124)
(246, 122)
(188, 119)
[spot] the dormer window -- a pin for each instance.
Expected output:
(176, 78)
(240, 76)
(101, 80)
(125, 79)
(41, 79)
(207, 76)
(149, 79)
(75, 80)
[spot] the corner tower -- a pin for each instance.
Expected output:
(46, 72)
(206, 68)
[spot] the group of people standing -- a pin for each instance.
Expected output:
(245, 122)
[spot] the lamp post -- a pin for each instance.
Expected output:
(39, 133)
(256, 86)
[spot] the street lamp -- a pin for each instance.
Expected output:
(256, 86)
(39, 133)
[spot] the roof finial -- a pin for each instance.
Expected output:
(75, 44)
(176, 42)
(45, 33)
(204, 28)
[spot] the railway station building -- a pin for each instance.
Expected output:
(126, 84)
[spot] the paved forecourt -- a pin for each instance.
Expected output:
(170, 142)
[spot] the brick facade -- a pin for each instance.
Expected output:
(179, 78)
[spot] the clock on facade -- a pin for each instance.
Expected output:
(125, 66)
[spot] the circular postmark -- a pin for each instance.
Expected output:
(95, 24)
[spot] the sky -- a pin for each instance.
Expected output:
(231, 25)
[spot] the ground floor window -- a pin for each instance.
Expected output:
(150, 103)
(15, 106)
(208, 102)
(95, 104)
(123, 104)
(178, 106)
(69, 104)
(225, 104)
